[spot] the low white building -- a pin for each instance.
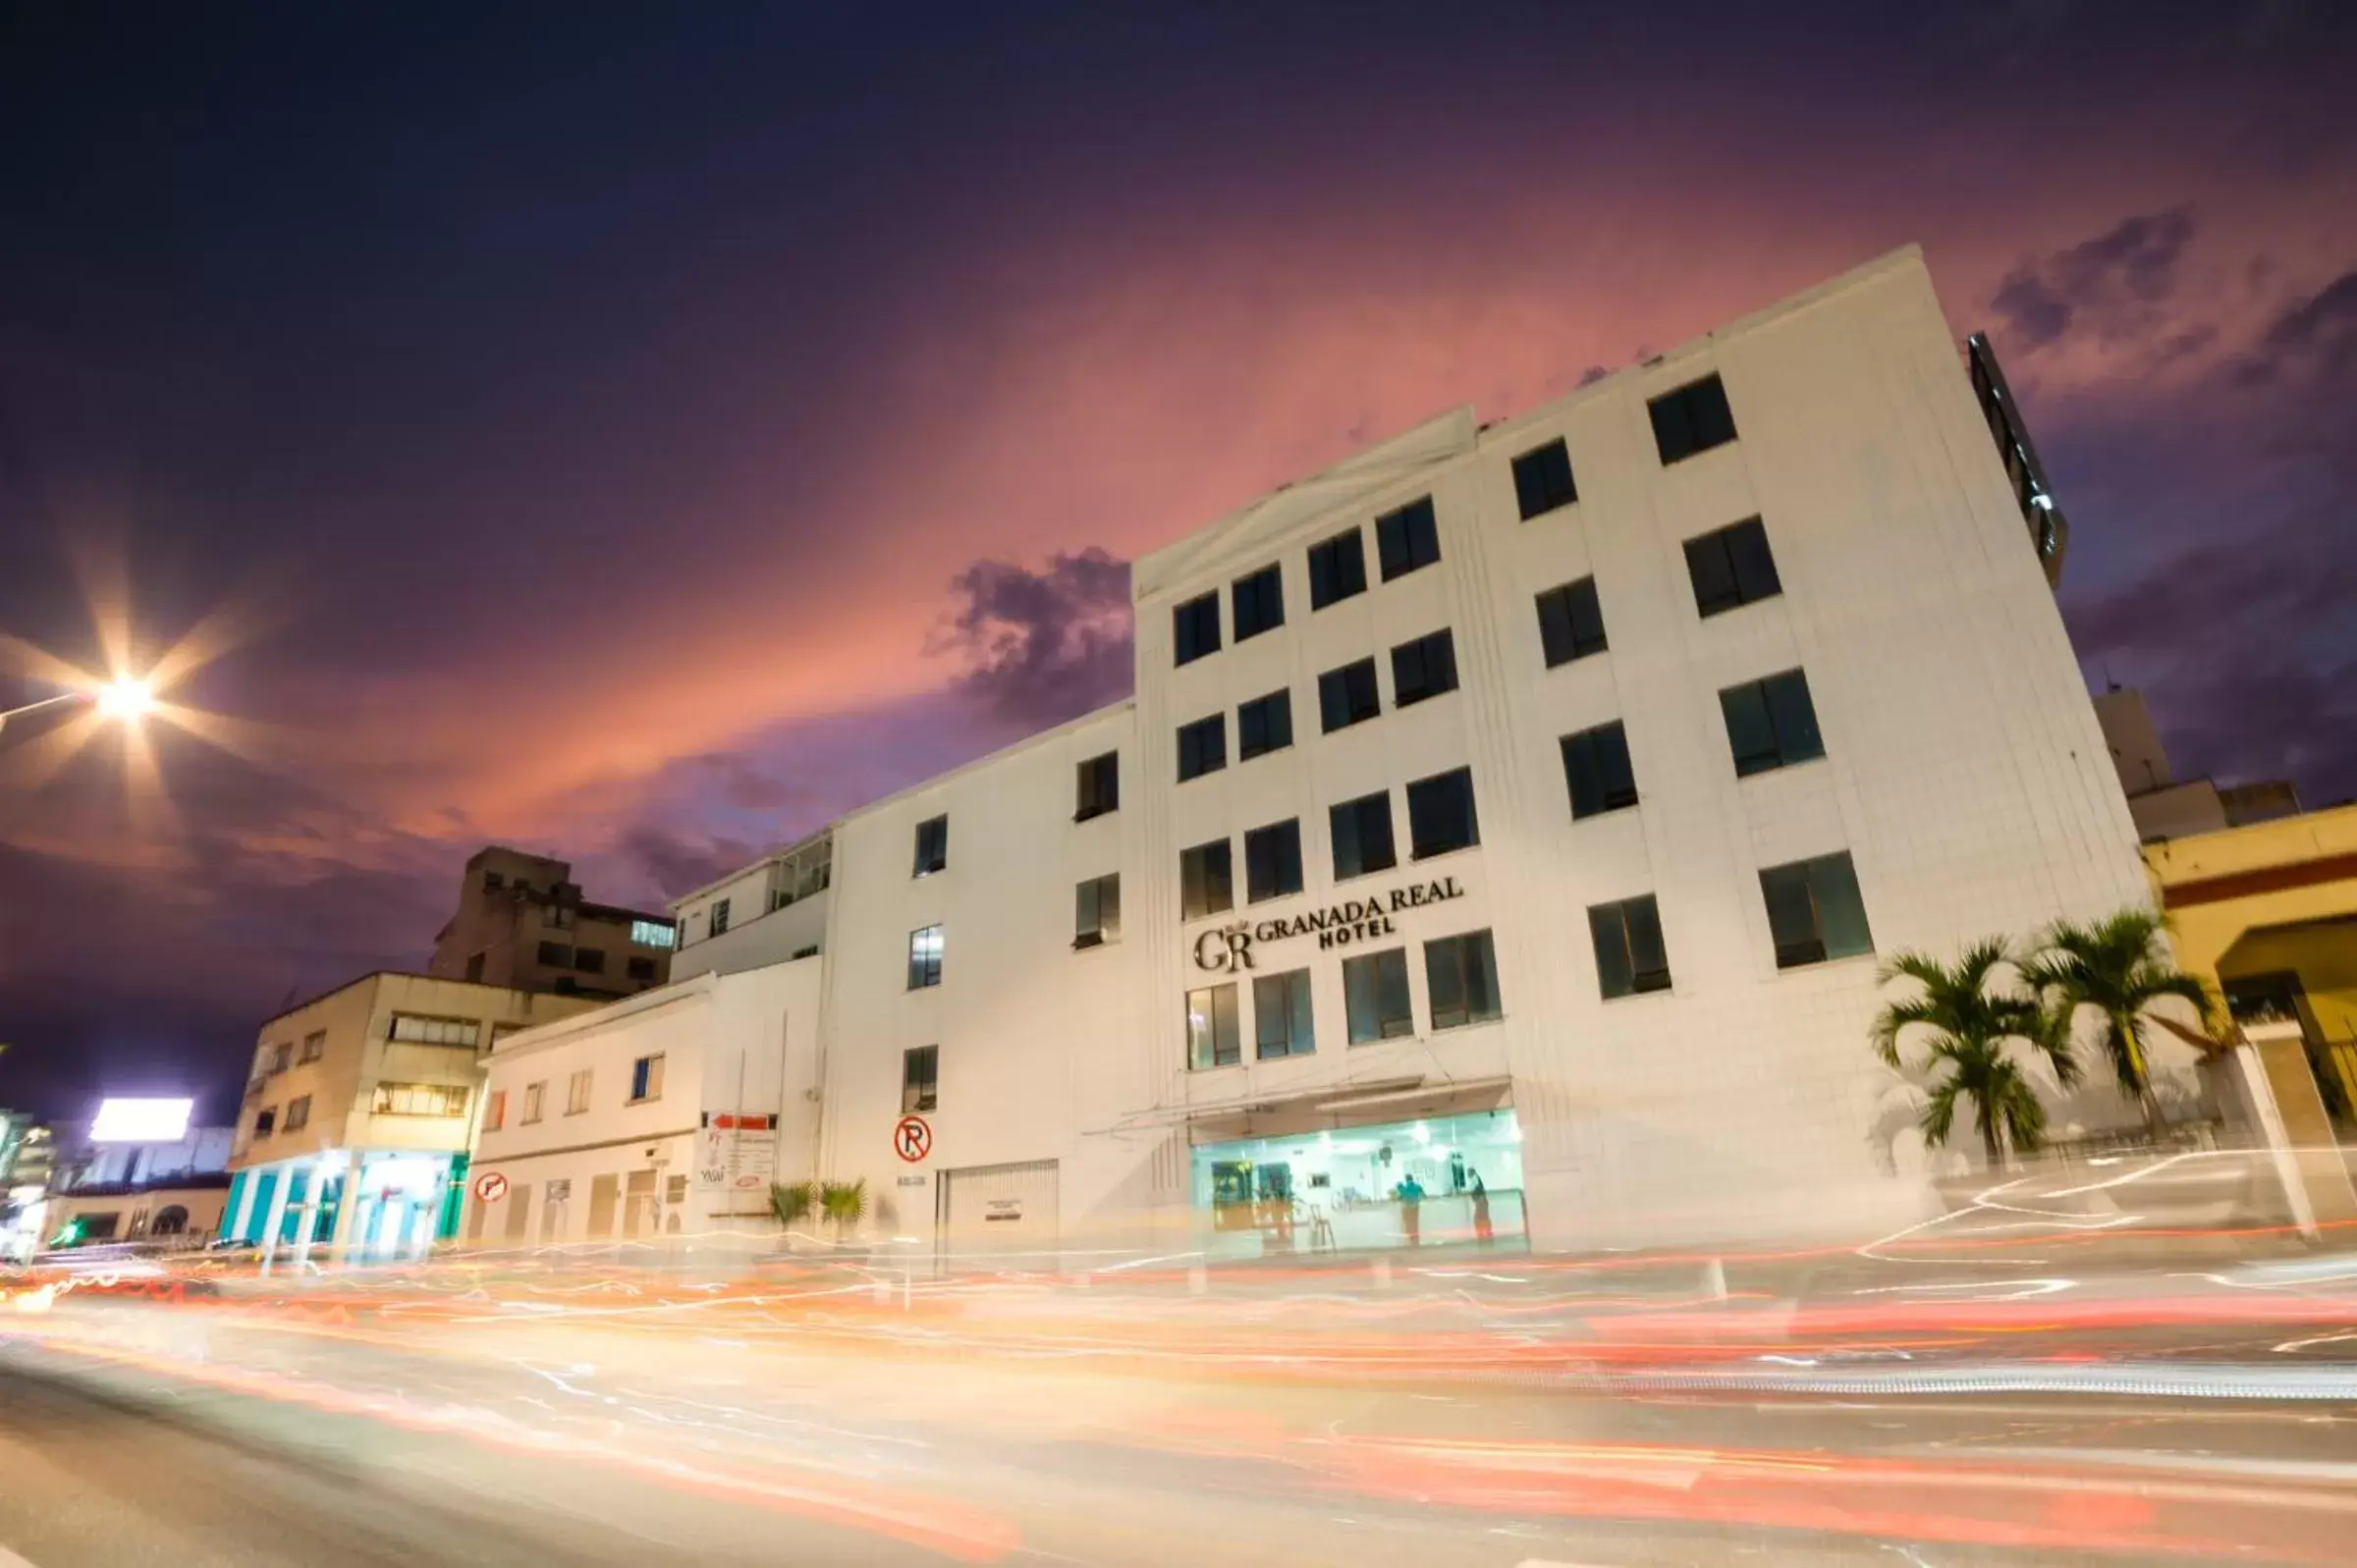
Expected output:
(1503, 837)
(659, 1115)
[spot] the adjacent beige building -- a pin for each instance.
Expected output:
(523, 923)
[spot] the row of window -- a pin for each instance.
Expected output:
(646, 1083)
(298, 1117)
(592, 960)
(1460, 977)
(1814, 914)
(277, 1058)
(1690, 419)
(1441, 819)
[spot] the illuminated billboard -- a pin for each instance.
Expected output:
(141, 1121)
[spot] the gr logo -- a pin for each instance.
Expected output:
(1228, 948)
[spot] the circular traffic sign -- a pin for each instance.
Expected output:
(913, 1139)
(490, 1187)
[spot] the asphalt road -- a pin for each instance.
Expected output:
(134, 1436)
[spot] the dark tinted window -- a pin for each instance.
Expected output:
(1693, 418)
(1263, 725)
(1596, 769)
(1213, 1037)
(1407, 539)
(1375, 995)
(921, 1079)
(557, 955)
(1361, 830)
(1571, 622)
(1202, 748)
(1338, 569)
(1814, 910)
(1461, 976)
(1731, 567)
(1348, 696)
(641, 968)
(1424, 668)
(1273, 861)
(1259, 603)
(1195, 628)
(720, 917)
(1771, 723)
(932, 846)
(1099, 789)
(1206, 879)
(1440, 814)
(589, 960)
(1281, 1022)
(1097, 911)
(1629, 955)
(1543, 479)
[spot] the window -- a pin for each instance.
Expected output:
(1195, 628)
(641, 968)
(418, 1099)
(299, 1114)
(1570, 622)
(654, 934)
(493, 881)
(810, 951)
(1375, 995)
(556, 955)
(1281, 1023)
(577, 1093)
(1771, 723)
(932, 846)
(558, 917)
(1407, 540)
(1440, 814)
(1362, 836)
(1814, 911)
(282, 1056)
(265, 1121)
(1097, 911)
(1731, 567)
(1337, 570)
(921, 1079)
(495, 1110)
(1543, 479)
(1693, 418)
(1259, 603)
(1347, 696)
(1264, 724)
(1202, 748)
(720, 916)
(1460, 979)
(535, 1103)
(419, 1029)
(1272, 860)
(1206, 879)
(647, 1078)
(1099, 789)
(589, 960)
(1597, 771)
(314, 1046)
(924, 957)
(474, 965)
(1213, 1038)
(1629, 955)
(1424, 668)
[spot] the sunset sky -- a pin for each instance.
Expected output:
(640, 433)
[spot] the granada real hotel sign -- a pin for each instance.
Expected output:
(1229, 947)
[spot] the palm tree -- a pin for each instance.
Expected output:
(2121, 967)
(1967, 1015)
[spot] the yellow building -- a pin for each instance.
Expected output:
(2268, 913)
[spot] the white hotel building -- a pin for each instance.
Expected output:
(1526, 803)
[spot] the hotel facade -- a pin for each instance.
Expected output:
(1503, 837)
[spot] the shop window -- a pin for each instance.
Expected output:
(1214, 1038)
(1281, 1020)
(1375, 995)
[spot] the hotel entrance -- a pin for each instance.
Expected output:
(1453, 1181)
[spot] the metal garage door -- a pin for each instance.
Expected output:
(1005, 1213)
